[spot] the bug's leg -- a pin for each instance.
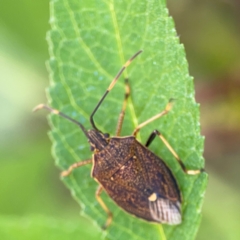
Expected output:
(122, 113)
(165, 111)
(166, 143)
(112, 84)
(105, 208)
(75, 165)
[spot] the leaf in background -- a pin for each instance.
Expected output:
(89, 41)
(41, 227)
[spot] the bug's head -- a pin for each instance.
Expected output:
(97, 139)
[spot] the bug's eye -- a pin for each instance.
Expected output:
(107, 135)
(91, 148)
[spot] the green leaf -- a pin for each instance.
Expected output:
(89, 41)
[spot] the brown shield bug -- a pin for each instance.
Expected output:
(133, 176)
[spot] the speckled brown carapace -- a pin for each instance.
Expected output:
(130, 173)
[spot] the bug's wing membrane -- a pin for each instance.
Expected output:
(164, 211)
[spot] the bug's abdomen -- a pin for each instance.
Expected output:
(138, 181)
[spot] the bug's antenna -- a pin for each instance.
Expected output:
(57, 112)
(111, 86)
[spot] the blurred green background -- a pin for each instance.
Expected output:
(30, 189)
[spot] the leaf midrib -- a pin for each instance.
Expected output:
(130, 103)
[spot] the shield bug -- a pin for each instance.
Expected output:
(133, 176)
